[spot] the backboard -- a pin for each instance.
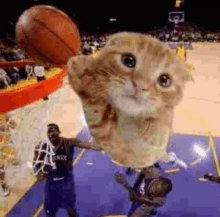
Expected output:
(176, 17)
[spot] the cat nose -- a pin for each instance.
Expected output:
(138, 89)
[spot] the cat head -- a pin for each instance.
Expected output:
(137, 74)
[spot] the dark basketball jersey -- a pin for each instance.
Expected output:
(155, 173)
(63, 160)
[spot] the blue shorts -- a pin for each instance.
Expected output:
(59, 194)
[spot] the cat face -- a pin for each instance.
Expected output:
(137, 74)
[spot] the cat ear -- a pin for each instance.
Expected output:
(113, 38)
(77, 65)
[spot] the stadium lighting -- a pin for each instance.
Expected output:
(200, 151)
(112, 19)
(178, 3)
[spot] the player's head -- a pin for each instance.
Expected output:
(181, 44)
(152, 170)
(160, 187)
(53, 131)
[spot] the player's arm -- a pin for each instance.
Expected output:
(41, 176)
(121, 179)
(84, 144)
(157, 201)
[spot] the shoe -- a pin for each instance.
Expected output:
(4, 189)
(175, 160)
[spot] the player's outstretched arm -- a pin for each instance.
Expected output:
(84, 144)
(157, 201)
(121, 179)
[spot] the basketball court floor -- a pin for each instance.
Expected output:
(196, 122)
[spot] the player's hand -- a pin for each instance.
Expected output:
(41, 176)
(96, 148)
(91, 145)
(208, 176)
(120, 178)
(135, 196)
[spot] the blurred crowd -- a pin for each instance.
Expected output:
(189, 35)
(10, 76)
(92, 42)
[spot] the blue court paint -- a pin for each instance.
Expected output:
(98, 193)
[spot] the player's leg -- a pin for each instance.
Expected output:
(68, 194)
(50, 199)
(172, 158)
(175, 160)
(39, 72)
(50, 210)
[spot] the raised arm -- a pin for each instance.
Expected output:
(83, 144)
(158, 201)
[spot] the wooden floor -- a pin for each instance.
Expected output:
(197, 114)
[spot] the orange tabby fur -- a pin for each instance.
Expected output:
(127, 110)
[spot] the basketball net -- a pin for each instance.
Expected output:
(44, 157)
(176, 20)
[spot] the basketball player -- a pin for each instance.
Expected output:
(156, 189)
(4, 79)
(181, 51)
(39, 72)
(59, 186)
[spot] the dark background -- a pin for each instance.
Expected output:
(131, 16)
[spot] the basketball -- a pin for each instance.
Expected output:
(47, 35)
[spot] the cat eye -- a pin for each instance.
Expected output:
(128, 60)
(164, 80)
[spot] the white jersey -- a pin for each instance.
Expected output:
(39, 71)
